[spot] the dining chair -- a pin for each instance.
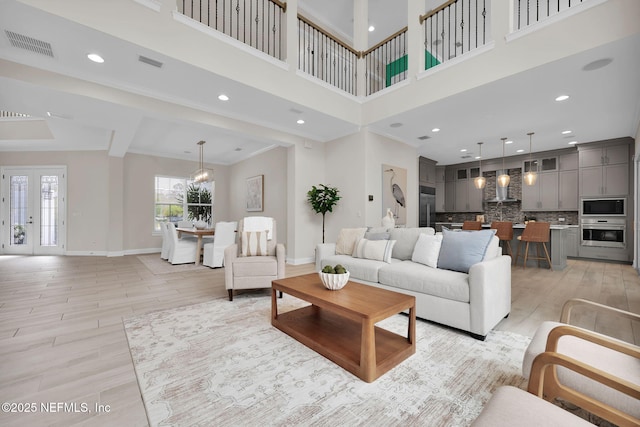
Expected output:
(472, 225)
(225, 236)
(182, 251)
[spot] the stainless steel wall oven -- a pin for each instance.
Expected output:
(603, 232)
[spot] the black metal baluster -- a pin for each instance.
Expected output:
(484, 21)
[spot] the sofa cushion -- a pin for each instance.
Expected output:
(377, 236)
(379, 250)
(416, 277)
(427, 250)
(406, 239)
(461, 249)
(359, 268)
(255, 266)
(347, 240)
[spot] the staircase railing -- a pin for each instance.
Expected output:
(453, 29)
(326, 57)
(258, 23)
(529, 12)
(386, 62)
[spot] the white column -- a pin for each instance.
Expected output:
(361, 39)
(291, 31)
(415, 38)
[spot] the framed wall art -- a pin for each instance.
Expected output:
(255, 193)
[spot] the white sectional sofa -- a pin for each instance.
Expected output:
(473, 301)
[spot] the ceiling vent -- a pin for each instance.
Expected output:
(465, 157)
(12, 114)
(29, 43)
(295, 111)
(424, 137)
(150, 61)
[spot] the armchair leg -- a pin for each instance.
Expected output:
(230, 294)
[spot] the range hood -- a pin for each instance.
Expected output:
(502, 193)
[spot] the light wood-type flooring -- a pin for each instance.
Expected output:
(62, 340)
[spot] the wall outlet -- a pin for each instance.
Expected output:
(561, 219)
(450, 218)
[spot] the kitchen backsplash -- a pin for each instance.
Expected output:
(508, 211)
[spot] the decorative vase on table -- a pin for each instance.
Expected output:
(388, 221)
(200, 224)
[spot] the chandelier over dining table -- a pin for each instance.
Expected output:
(202, 174)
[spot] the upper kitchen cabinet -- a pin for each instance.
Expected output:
(440, 189)
(604, 169)
(466, 197)
(556, 187)
(427, 172)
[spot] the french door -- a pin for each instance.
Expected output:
(33, 210)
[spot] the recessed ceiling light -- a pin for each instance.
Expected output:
(223, 97)
(519, 151)
(566, 132)
(435, 130)
(300, 122)
(508, 142)
(573, 142)
(478, 157)
(95, 58)
(463, 150)
(562, 98)
(371, 28)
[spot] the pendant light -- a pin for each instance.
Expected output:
(480, 181)
(530, 177)
(504, 179)
(202, 174)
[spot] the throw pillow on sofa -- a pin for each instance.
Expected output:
(379, 250)
(347, 240)
(427, 250)
(460, 250)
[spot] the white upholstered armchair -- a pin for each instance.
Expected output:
(256, 259)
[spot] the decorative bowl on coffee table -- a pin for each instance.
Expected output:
(332, 281)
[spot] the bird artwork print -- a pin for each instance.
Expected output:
(396, 191)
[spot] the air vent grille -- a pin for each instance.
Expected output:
(424, 137)
(29, 43)
(150, 61)
(10, 114)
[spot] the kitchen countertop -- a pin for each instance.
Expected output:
(515, 225)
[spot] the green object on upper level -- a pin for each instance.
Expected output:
(400, 65)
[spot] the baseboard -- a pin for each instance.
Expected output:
(299, 261)
(86, 253)
(114, 253)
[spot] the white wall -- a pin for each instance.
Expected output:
(273, 165)
(306, 166)
(636, 189)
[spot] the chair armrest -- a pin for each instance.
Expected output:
(574, 302)
(280, 256)
(324, 250)
(544, 381)
(230, 254)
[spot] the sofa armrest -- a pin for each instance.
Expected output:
(280, 257)
(230, 254)
(489, 293)
(324, 250)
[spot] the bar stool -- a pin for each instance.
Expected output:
(504, 231)
(472, 225)
(535, 232)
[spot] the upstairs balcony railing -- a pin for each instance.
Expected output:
(386, 62)
(324, 56)
(258, 23)
(453, 29)
(529, 12)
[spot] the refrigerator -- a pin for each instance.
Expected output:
(427, 207)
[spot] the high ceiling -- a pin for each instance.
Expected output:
(605, 102)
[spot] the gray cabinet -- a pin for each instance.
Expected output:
(427, 172)
(568, 190)
(461, 194)
(604, 171)
(572, 242)
(440, 189)
(568, 162)
(543, 195)
(449, 196)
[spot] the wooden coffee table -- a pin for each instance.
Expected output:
(340, 325)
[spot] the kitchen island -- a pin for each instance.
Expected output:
(556, 246)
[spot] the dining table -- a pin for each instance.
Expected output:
(199, 233)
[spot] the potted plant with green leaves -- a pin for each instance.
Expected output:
(322, 200)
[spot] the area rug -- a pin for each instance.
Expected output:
(157, 265)
(222, 363)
